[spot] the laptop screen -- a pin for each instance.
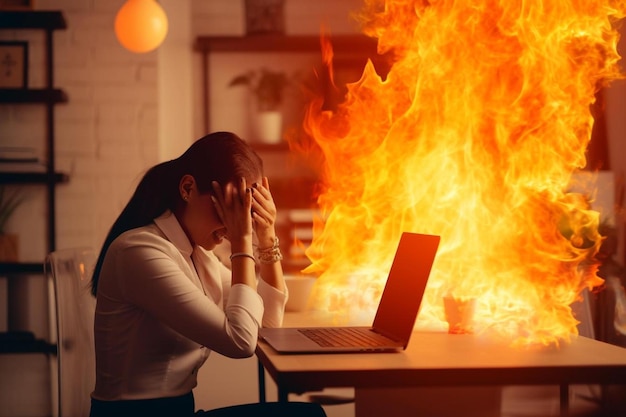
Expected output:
(405, 285)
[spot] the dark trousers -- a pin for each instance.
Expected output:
(182, 406)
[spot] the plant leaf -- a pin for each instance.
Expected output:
(8, 204)
(240, 80)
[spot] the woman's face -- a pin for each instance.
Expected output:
(205, 228)
(199, 217)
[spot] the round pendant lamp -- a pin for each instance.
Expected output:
(141, 25)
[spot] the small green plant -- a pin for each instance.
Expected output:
(9, 202)
(267, 86)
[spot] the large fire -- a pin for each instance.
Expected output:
(473, 135)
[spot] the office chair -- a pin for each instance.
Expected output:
(267, 409)
(69, 273)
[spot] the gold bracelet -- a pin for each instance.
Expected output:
(274, 246)
(270, 255)
(270, 258)
(242, 254)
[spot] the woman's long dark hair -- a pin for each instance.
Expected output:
(220, 156)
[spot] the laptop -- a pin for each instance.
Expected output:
(395, 316)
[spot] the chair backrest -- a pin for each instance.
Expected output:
(69, 275)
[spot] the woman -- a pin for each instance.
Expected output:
(164, 301)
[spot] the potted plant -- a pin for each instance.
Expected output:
(9, 202)
(268, 88)
(266, 85)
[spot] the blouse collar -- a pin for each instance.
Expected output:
(173, 231)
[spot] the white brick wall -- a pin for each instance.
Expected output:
(105, 129)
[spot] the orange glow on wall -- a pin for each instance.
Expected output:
(474, 135)
(141, 25)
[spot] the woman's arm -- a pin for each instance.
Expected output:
(264, 217)
(234, 206)
(274, 301)
(152, 278)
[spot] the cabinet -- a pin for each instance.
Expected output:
(48, 97)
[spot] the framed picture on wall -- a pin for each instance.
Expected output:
(265, 16)
(13, 64)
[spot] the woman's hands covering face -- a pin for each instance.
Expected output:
(233, 204)
(263, 213)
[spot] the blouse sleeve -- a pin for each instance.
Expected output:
(274, 301)
(152, 279)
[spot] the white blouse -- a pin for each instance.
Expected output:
(158, 317)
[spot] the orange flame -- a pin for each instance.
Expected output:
(474, 135)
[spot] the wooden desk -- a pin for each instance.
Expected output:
(445, 360)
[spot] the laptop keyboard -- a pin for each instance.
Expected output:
(344, 337)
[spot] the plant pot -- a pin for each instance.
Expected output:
(9, 248)
(268, 127)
